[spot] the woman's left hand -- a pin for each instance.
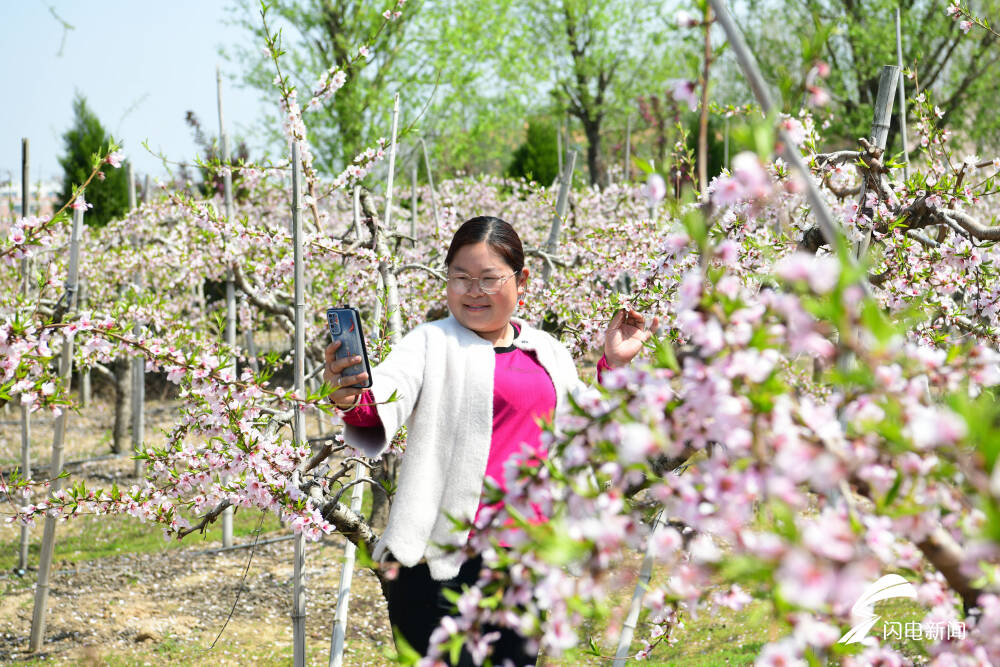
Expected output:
(625, 336)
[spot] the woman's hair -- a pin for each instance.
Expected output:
(499, 235)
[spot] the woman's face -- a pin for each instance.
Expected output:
(486, 314)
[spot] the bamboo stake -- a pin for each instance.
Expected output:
(344, 591)
(645, 574)
(138, 362)
(59, 436)
(628, 149)
(888, 78)
(298, 586)
(430, 182)
(553, 241)
(902, 97)
(227, 186)
(145, 190)
(22, 553)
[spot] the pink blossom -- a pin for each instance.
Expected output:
(785, 653)
(685, 19)
(794, 130)
(965, 26)
(818, 96)
(685, 90)
(655, 189)
(727, 191)
(115, 159)
(751, 175)
(79, 204)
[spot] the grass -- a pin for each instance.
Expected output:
(93, 537)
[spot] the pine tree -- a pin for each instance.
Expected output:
(83, 140)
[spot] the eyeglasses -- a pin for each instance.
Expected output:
(487, 284)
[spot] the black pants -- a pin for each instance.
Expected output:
(417, 604)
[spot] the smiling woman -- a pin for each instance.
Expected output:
(472, 390)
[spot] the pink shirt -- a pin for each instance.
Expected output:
(522, 394)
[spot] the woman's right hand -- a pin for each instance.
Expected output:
(344, 396)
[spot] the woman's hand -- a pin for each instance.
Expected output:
(345, 396)
(625, 336)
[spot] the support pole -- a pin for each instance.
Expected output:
(298, 586)
(413, 204)
(227, 186)
(85, 388)
(430, 182)
(888, 78)
(138, 361)
(902, 97)
(645, 574)
(22, 553)
(356, 210)
(344, 592)
(59, 436)
(386, 270)
(552, 244)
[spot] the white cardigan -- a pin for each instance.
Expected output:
(442, 376)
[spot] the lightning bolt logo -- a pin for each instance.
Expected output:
(889, 586)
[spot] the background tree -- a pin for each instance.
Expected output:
(83, 140)
(318, 35)
(537, 159)
(472, 71)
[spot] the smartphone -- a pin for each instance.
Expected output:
(345, 326)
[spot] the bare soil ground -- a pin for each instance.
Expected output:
(168, 608)
(166, 603)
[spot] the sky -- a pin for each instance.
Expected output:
(141, 66)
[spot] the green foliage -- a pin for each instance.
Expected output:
(537, 158)
(318, 35)
(857, 39)
(85, 139)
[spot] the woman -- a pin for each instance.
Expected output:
(470, 389)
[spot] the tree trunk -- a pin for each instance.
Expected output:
(123, 398)
(386, 474)
(595, 163)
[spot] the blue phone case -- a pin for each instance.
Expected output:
(345, 326)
